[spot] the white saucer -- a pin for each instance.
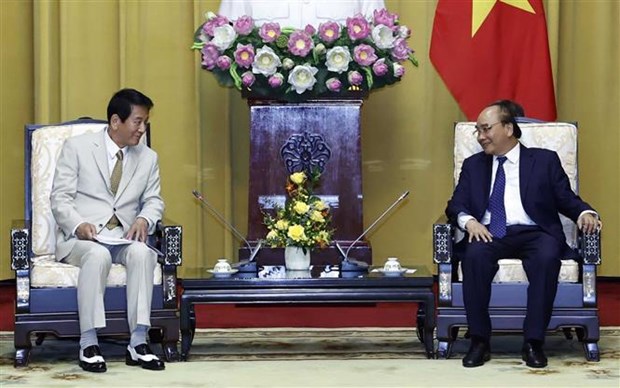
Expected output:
(401, 272)
(220, 274)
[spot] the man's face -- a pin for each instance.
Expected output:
(494, 137)
(128, 133)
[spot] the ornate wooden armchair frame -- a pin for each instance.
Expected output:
(575, 305)
(46, 290)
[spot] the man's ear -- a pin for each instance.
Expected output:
(510, 129)
(115, 120)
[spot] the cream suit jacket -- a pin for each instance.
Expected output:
(81, 188)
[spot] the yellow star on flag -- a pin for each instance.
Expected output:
(482, 8)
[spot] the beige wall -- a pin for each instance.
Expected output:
(63, 59)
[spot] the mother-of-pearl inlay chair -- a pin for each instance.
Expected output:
(46, 289)
(575, 305)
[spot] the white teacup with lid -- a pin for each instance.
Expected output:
(222, 266)
(392, 265)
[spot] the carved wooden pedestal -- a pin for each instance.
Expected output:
(290, 137)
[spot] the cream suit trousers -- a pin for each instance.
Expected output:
(95, 261)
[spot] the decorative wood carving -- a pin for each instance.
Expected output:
(290, 137)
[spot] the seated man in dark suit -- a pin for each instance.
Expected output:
(507, 200)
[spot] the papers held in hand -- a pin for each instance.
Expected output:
(107, 240)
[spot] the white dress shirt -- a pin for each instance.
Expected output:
(515, 213)
(112, 150)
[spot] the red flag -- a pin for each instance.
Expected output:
(491, 50)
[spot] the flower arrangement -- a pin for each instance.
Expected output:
(305, 219)
(272, 61)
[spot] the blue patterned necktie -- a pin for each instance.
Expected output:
(497, 227)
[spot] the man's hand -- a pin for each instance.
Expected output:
(478, 231)
(588, 223)
(86, 231)
(139, 230)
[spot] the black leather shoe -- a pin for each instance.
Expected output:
(479, 353)
(143, 356)
(91, 360)
(533, 355)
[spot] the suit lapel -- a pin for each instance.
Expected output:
(129, 168)
(526, 164)
(488, 171)
(101, 158)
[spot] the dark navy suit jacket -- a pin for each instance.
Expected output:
(544, 186)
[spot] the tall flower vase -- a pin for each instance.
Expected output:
(295, 259)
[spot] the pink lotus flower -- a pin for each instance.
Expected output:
(269, 32)
(210, 53)
(399, 70)
(329, 31)
(333, 84)
(380, 68)
(276, 80)
(384, 17)
(401, 51)
(300, 43)
(224, 62)
(309, 29)
(364, 54)
(357, 27)
(211, 24)
(244, 55)
(355, 78)
(244, 25)
(248, 79)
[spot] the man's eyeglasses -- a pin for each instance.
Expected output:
(484, 128)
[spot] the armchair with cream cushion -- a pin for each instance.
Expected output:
(575, 304)
(46, 288)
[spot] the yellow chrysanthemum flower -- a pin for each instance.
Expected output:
(301, 207)
(297, 233)
(298, 178)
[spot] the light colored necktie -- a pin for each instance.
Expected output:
(117, 172)
(115, 179)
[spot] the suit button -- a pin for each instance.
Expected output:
(114, 209)
(100, 225)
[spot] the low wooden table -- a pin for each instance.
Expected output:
(320, 285)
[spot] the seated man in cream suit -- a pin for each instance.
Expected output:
(107, 184)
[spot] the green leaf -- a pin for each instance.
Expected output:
(369, 77)
(234, 75)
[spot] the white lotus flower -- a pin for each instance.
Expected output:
(223, 37)
(288, 64)
(266, 62)
(337, 59)
(302, 78)
(383, 36)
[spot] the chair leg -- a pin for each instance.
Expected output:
(171, 352)
(581, 333)
(22, 357)
(444, 349)
(40, 338)
(169, 338)
(567, 333)
(22, 347)
(591, 351)
(155, 336)
(454, 333)
(421, 316)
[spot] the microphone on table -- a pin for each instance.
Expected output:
(361, 266)
(245, 265)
